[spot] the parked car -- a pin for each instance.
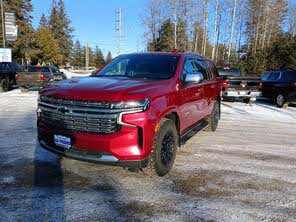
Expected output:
(38, 76)
(8, 71)
(134, 113)
(236, 86)
(279, 86)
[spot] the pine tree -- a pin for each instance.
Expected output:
(47, 51)
(77, 55)
(109, 57)
(91, 58)
(22, 9)
(99, 58)
(166, 37)
(59, 24)
(43, 22)
(182, 39)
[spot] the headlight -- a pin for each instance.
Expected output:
(137, 105)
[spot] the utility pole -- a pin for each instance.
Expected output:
(86, 57)
(3, 28)
(119, 28)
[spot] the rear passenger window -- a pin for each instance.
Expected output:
(273, 76)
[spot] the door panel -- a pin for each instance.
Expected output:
(194, 103)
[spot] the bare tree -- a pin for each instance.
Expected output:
(215, 30)
(206, 23)
(197, 24)
(153, 20)
(292, 19)
(232, 29)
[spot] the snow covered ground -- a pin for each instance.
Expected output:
(245, 171)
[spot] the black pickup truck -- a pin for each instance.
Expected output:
(8, 71)
(236, 86)
(279, 86)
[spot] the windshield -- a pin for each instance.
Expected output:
(142, 66)
(39, 69)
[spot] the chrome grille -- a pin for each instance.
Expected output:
(77, 103)
(85, 116)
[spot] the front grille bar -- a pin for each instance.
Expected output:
(66, 115)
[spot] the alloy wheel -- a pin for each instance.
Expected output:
(167, 150)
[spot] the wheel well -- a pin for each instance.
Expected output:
(174, 116)
(281, 90)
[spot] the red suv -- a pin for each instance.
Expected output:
(134, 113)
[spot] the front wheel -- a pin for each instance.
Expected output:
(163, 153)
(280, 99)
(214, 118)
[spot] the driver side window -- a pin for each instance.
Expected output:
(193, 66)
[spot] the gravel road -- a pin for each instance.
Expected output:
(245, 171)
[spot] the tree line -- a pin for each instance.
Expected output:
(254, 35)
(52, 41)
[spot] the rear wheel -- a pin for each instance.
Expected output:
(4, 85)
(214, 118)
(280, 99)
(246, 100)
(163, 153)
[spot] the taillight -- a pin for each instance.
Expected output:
(16, 76)
(260, 85)
(224, 84)
(293, 84)
(42, 77)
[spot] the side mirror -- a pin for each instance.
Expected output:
(94, 73)
(194, 78)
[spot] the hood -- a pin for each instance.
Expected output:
(106, 89)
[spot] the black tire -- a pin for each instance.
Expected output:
(214, 118)
(164, 150)
(246, 100)
(280, 99)
(24, 89)
(4, 85)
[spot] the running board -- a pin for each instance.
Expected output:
(193, 131)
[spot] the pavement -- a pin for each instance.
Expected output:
(245, 171)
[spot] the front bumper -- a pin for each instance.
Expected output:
(127, 147)
(93, 157)
(241, 94)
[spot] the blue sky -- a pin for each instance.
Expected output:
(95, 22)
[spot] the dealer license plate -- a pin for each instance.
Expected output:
(62, 141)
